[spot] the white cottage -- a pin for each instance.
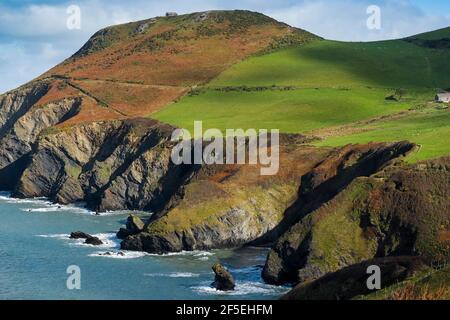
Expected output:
(443, 97)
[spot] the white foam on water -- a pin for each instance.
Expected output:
(57, 236)
(200, 255)
(203, 259)
(44, 205)
(109, 240)
(118, 254)
(6, 197)
(124, 254)
(174, 275)
(58, 208)
(243, 288)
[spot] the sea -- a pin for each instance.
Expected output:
(37, 260)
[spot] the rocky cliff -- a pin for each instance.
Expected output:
(400, 211)
(233, 206)
(110, 165)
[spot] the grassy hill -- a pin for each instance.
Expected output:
(134, 69)
(327, 84)
(241, 69)
(292, 111)
(390, 64)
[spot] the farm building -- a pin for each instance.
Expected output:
(443, 97)
(171, 14)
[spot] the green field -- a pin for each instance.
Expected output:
(327, 84)
(292, 111)
(429, 128)
(391, 64)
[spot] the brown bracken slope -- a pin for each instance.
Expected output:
(135, 69)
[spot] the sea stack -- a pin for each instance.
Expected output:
(223, 281)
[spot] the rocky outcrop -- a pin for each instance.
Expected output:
(94, 241)
(387, 214)
(111, 165)
(226, 206)
(236, 210)
(351, 281)
(134, 225)
(335, 172)
(79, 235)
(223, 280)
(15, 104)
(18, 141)
(20, 124)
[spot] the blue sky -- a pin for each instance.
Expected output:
(34, 36)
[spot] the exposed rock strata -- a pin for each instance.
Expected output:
(111, 165)
(239, 209)
(403, 210)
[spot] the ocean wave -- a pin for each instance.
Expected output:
(243, 288)
(124, 254)
(50, 207)
(200, 255)
(57, 236)
(6, 197)
(118, 254)
(44, 205)
(174, 275)
(109, 240)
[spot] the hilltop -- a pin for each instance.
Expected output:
(137, 68)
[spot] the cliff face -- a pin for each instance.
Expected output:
(21, 122)
(111, 165)
(229, 207)
(401, 211)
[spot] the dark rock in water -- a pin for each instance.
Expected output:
(351, 281)
(89, 239)
(223, 281)
(134, 225)
(93, 241)
(79, 235)
(123, 233)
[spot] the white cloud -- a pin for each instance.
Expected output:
(18, 64)
(346, 20)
